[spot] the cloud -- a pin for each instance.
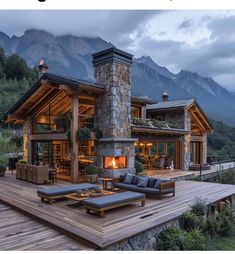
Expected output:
(186, 24)
(81, 23)
(165, 36)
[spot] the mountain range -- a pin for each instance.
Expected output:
(71, 56)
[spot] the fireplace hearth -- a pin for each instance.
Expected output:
(112, 162)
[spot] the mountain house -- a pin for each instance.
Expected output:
(68, 123)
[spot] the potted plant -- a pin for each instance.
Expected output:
(91, 173)
(96, 133)
(139, 167)
(22, 161)
(2, 169)
(83, 134)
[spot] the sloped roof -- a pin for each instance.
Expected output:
(171, 104)
(56, 79)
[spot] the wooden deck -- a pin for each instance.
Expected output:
(19, 232)
(175, 174)
(120, 223)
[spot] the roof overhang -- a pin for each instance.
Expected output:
(200, 118)
(159, 131)
(46, 88)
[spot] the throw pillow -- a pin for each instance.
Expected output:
(151, 182)
(128, 178)
(143, 182)
(158, 181)
(135, 180)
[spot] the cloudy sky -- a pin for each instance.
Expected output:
(199, 41)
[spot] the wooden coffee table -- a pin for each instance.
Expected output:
(77, 200)
(107, 180)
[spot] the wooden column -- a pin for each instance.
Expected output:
(27, 144)
(74, 128)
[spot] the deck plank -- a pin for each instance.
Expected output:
(27, 234)
(118, 224)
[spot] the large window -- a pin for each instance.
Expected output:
(136, 112)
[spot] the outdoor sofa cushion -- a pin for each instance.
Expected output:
(111, 200)
(151, 182)
(160, 180)
(135, 180)
(133, 187)
(128, 178)
(65, 190)
(143, 182)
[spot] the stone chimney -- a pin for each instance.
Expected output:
(42, 68)
(165, 96)
(113, 112)
(112, 69)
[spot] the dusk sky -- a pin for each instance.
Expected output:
(198, 41)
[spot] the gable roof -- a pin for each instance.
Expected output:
(171, 104)
(184, 104)
(57, 80)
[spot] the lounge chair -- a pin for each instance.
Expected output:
(52, 194)
(102, 204)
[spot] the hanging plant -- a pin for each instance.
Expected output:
(98, 133)
(83, 134)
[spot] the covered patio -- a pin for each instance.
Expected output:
(159, 148)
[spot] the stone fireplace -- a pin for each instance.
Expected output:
(114, 162)
(115, 152)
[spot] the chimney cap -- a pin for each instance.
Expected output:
(42, 64)
(110, 55)
(165, 96)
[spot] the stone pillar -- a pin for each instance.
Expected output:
(143, 112)
(204, 147)
(27, 144)
(113, 108)
(186, 141)
(74, 128)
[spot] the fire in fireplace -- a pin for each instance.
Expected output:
(115, 162)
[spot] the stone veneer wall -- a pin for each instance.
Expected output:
(204, 143)
(117, 148)
(113, 109)
(186, 141)
(143, 241)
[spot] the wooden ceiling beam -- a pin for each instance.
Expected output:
(68, 90)
(14, 118)
(197, 120)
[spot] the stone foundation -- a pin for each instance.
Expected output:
(143, 241)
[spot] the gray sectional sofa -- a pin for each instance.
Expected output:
(155, 187)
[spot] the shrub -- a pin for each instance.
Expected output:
(91, 170)
(22, 161)
(222, 224)
(189, 221)
(226, 221)
(2, 169)
(139, 166)
(178, 239)
(170, 239)
(199, 206)
(194, 240)
(140, 122)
